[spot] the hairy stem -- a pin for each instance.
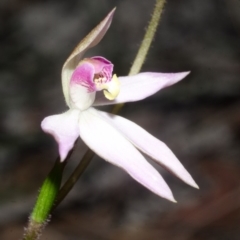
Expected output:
(46, 198)
(148, 38)
(145, 45)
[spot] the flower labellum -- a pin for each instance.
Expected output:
(91, 75)
(90, 82)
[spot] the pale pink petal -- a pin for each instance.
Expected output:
(64, 128)
(140, 86)
(91, 40)
(151, 146)
(82, 88)
(109, 144)
(102, 66)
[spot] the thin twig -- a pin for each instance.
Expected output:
(74, 177)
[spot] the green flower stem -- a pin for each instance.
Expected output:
(148, 38)
(145, 45)
(136, 67)
(50, 189)
(46, 198)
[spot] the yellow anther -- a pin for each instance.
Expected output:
(112, 88)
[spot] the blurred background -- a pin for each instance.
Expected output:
(199, 118)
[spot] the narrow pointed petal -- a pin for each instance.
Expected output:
(91, 40)
(151, 146)
(140, 86)
(109, 144)
(64, 128)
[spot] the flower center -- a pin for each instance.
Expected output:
(110, 85)
(111, 89)
(99, 79)
(95, 74)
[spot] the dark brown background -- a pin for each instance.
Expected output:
(198, 118)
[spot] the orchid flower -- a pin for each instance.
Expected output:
(114, 138)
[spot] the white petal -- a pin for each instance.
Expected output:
(80, 95)
(150, 146)
(91, 40)
(64, 128)
(109, 144)
(140, 86)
